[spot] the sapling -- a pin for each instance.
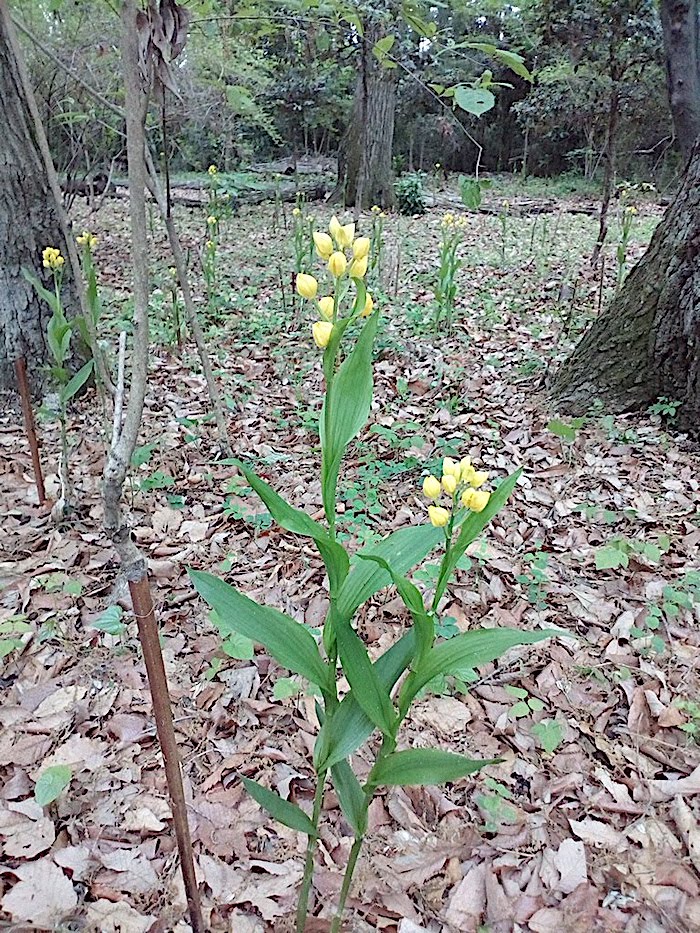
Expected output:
(381, 690)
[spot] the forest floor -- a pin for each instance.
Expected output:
(590, 822)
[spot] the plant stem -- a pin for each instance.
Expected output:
(303, 904)
(347, 881)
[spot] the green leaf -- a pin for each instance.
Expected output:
(351, 796)
(511, 60)
(468, 650)
(424, 766)
(403, 549)
(51, 783)
(76, 383)
(289, 642)
(345, 409)
(289, 814)
(298, 522)
(48, 296)
(58, 333)
(286, 687)
(562, 430)
(549, 733)
(110, 621)
(475, 100)
(239, 647)
(369, 691)
(610, 557)
(383, 46)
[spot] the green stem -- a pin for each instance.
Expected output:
(347, 881)
(303, 905)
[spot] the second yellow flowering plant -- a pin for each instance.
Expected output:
(381, 689)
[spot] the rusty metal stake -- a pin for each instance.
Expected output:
(29, 427)
(155, 669)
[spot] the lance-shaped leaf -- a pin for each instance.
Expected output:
(351, 796)
(289, 642)
(423, 766)
(282, 810)
(76, 383)
(370, 692)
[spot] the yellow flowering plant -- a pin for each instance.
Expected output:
(452, 233)
(381, 689)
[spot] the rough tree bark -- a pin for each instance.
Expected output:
(646, 344)
(28, 222)
(680, 20)
(368, 175)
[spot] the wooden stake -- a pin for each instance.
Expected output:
(150, 645)
(29, 427)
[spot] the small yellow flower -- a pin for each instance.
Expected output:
(326, 307)
(376, 209)
(211, 245)
(296, 212)
(465, 465)
(449, 484)
(335, 227)
(358, 268)
(382, 214)
(437, 165)
(307, 286)
(345, 236)
(478, 478)
(173, 271)
(632, 210)
(360, 248)
(480, 499)
(322, 331)
(369, 306)
(324, 245)
(431, 487)
(86, 239)
(337, 264)
(52, 258)
(438, 516)
(451, 468)
(212, 170)
(466, 498)
(212, 221)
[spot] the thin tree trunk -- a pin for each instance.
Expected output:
(646, 344)
(680, 20)
(610, 168)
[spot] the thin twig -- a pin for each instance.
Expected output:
(119, 394)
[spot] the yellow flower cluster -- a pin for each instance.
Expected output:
(376, 209)
(461, 482)
(296, 212)
(212, 221)
(212, 170)
(632, 210)
(52, 258)
(332, 247)
(87, 240)
(450, 221)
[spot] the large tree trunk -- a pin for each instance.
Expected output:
(680, 20)
(28, 223)
(646, 344)
(369, 178)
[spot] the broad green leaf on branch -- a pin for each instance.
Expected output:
(403, 549)
(51, 783)
(475, 100)
(76, 383)
(511, 60)
(468, 650)
(289, 642)
(424, 766)
(345, 409)
(48, 296)
(348, 726)
(289, 814)
(369, 691)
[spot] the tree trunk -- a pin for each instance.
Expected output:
(369, 178)
(28, 223)
(610, 169)
(646, 344)
(680, 20)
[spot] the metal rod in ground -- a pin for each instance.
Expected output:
(29, 427)
(148, 636)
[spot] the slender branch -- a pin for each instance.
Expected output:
(119, 394)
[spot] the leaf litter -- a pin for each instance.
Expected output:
(590, 821)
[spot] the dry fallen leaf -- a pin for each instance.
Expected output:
(43, 896)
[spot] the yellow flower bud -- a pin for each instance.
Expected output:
(431, 487)
(369, 306)
(360, 248)
(468, 474)
(307, 286)
(480, 499)
(324, 245)
(376, 209)
(449, 484)
(465, 465)
(86, 239)
(322, 331)
(337, 264)
(212, 170)
(466, 498)
(335, 227)
(296, 212)
(211, 220)
(345, 236)
(326, 307)
(451, 468)
(438, 516)
(478, 478)
(358, 268)
(52, 258)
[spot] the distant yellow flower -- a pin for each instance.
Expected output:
(369, 306)
(449, 484)
(358, 268)
(480, 499)
(438, 516)
(322, 331)
(632, 210)
(211, 245)
(360, 248)
(307, 286)
(326, 307)
(212, 170)
(451, 468)
(296, 212)
(345, 236)
(431, 487)
(376, 209)
(212, 221)
(324, 244)
(173, 271)
(52, 258)
(335, 227)
(382, 214)
(86, 239)
(337, 264)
